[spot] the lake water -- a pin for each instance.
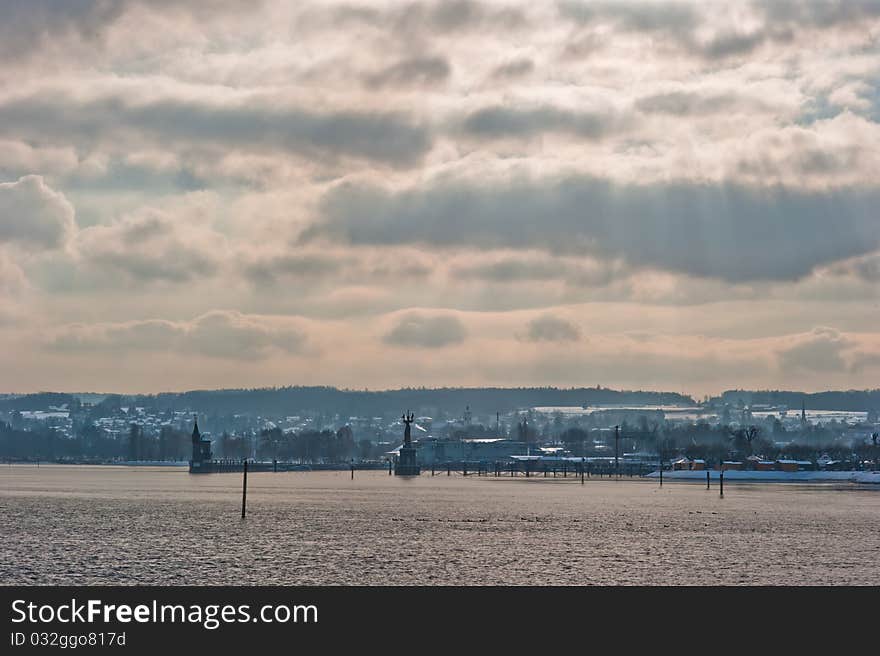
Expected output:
(119, 525)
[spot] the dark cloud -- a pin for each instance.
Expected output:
(862, 361)
(34, 214)
(519, 269)
(513, 69)
(820, 13)
(28, 26)
(548, 328)
(732, 232)
(821, 351)
(388, 137)
(729, 45)
(119, 175)
(415, 71)
(150, 247)
(303, 266)
(512, 270)
(234, 335)
(316, 268)
(680, 23)
(674, 18)
(499, 122)
(687, 103)
(219, 334)
(426, 331)
(174, 263)
(426, 18)
(864, 268)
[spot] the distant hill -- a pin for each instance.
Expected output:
(39, 401)
(330, 400)
(852, 400)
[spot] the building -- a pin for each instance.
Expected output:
(438, 451)
(795, 465)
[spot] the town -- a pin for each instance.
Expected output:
(610, 431)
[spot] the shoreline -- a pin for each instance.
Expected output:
(869, 477)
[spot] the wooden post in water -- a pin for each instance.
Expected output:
(432, 468)
(448, 469)
(721, 480)
(616, 451)
(661, 474)
(582, 473)
(389, 467)
(464, 468)
(352, 471)
(707, 479)
(275, 466)
(244, 489)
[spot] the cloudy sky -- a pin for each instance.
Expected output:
(655, 195)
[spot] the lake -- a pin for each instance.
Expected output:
(161, 525)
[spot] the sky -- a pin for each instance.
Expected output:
(642, 195)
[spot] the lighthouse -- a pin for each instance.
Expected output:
(201, 447)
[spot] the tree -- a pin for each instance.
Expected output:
(134, 442)
(743, 438)
(575, 440)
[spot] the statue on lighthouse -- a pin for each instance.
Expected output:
(406, 457)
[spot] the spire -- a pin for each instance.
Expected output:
(196, 435)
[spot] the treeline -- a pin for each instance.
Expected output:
(308, 446)
(91, 443)
(718, 442)
(448, 401)
(39, 401)
(850, 400)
